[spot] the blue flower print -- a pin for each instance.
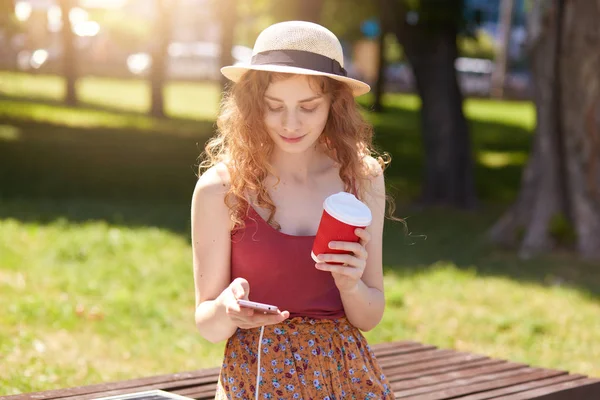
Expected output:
(299, 360)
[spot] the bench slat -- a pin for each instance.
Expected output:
(446, 378)
(430, 365)
(406, 359)
(415, 371)
(524, 376)
(397, 374)
(101, 388)
(516, 373)
(581, 389)
(521, 388)
(199, 393)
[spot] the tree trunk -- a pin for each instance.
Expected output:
(69, 54)
(562, 176)
(379, 86)
(308, 10)
(10, 27)
(580, 89)
(540, 198)
(298, 10)
(163, 21)
(499, 74)
(431, 50)
(228, 15)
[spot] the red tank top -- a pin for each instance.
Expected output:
(281, 272)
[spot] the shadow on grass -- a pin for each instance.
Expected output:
(51, 161)
(398, 132)
(131, 178)
(442, 237)
(121, 176)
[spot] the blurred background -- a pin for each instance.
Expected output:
(118, 38)
(489, 109)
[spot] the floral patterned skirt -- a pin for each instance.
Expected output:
(302, 358)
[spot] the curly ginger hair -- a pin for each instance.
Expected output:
(243, 144)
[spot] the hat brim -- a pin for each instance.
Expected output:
(235, 72)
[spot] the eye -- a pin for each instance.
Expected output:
(274, 109)
(309, 109)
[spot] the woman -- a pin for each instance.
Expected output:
(290, 135)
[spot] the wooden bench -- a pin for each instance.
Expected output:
(415, 371)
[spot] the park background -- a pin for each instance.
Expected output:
(489, 109)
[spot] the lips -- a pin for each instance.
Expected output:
(292, 140)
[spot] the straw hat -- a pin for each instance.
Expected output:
(298, 47)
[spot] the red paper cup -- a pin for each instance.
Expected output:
(342, 214)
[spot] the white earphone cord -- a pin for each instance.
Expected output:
(262, 330)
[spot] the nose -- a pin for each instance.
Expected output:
(291, 121)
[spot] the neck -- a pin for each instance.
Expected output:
(299, 167)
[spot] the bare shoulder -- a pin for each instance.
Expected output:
(208, 200)
(213, 183)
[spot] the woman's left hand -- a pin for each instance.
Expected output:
(346, 276)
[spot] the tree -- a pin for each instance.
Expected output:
(8, 22)
(301, 10)
(561, 181)
(428, 32)
(307, 10)
(227, 12)
(163, 22)
(379, 86)
(7, 7)
(345, 17)
(69, 60)
(499, 73)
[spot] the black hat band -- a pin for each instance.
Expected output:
(299, 59)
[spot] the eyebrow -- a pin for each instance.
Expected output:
(301, 101)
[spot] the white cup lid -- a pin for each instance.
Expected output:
(347, 208)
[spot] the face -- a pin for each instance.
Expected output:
(295, 113)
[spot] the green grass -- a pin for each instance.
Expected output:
(93, 302)
(184, 100)
(95, 260)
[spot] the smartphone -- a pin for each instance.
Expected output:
(265, 308)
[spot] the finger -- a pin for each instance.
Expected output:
(356, 248)
(240, 288)
(341, 269)
(236, 310)
(269, 319)
(348, 259)
(258, 319)
(364, 235)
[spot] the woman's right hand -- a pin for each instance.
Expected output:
(245, 318)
